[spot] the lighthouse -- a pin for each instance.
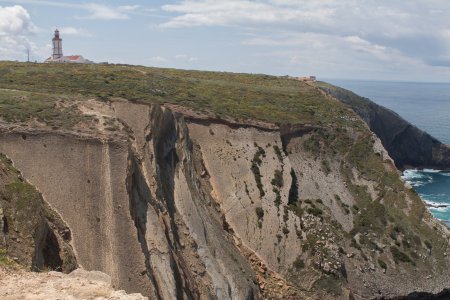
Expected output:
(57, 56)
(57, 46)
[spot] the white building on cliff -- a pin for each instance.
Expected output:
(58, 57)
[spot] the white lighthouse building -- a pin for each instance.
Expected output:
(57, 46)
(58, 57)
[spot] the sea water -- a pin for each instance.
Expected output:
(427, 106)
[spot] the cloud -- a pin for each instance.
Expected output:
(95, 11)
(231, 12)
(159, 59)
(103, 12)
(15, 27)
(15, 20)
(74, 31)
(185, 58)
(382, 30)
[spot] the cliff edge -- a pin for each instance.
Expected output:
(409, 146)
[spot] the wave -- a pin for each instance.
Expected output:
(434, 203)
(440, 209)
(431, 171)
(412, 174)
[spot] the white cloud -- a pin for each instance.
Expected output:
(185, 58)
(75, 31)
(128, 7)
(103, 12)
(96, 11)
(159, 59)
(15, 27)
(15, 20)
(216, 12)
(383, 30)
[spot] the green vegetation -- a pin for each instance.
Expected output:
(299, 264)
(277, 180)
(382, 264)
(315, 211)
(277, 183)
(55, 111)
(400, 256)
(278, 153)
(260, 214)
(329, 284)
(5, 261)
(244, 96)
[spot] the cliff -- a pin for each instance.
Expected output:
(178, 202)
(409, 146)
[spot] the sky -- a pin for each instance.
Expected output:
(406, 40)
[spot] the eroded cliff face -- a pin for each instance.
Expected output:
(178, 209)
(409, 146)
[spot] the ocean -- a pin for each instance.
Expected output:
(427, 106)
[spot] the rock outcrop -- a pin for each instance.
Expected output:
(177, 209)
(409, 146)
(78, 285)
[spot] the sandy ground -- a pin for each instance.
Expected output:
(53, 285)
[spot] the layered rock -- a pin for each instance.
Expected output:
(199, 209)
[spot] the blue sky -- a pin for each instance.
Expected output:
(365, 39)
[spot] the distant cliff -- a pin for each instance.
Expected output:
(408, 146)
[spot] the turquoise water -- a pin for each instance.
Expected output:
(427, 106)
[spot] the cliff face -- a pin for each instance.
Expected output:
(409, 146)
(195, 192)
(200, 209)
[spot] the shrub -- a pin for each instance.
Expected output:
(299, 263)
(329, 284)
(400, 256)
(382, 264)
(315, 211)
(278, 179)
(259, 213)
(278, 153)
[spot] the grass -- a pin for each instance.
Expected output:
(5, 261)
(18, 106)
(244, 96)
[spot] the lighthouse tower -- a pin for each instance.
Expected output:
(57, 46)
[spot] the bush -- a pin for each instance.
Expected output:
(400, 256)
(278, 153)
(382, 264)
(278, 179)
(299, 263)
(314, 211)
(259, 213)
(329, 284)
